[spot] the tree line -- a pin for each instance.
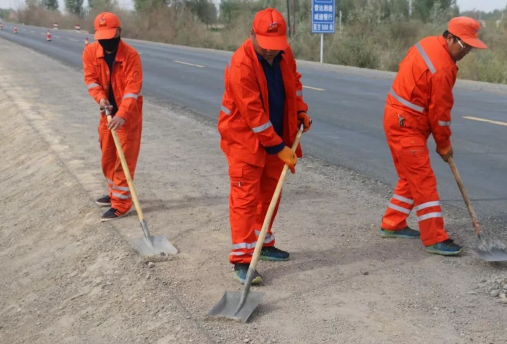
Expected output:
(208, 13)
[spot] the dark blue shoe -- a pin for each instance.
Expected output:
(273, 254)
(104, 201)
(407, 233)
(445, 248)
(240, 271)
(112, 214)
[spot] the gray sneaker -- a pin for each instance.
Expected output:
(445, 248)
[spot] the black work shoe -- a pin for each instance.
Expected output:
(274, 254)
(104, 201)
(112, 214)
(406, 232)
(240, 271)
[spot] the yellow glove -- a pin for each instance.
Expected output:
(445, 153)
(288, 156)
(306, 120)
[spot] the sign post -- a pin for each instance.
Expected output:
(323, 20)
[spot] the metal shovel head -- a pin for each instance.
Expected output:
(491, 250)
(228, 306)
(155, 245)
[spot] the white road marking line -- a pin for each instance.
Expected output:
(57, 36)
(189, 64)
(73, 40)
(485, 120)
(313, 88)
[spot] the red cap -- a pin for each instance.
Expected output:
(270, 29)
(105, 25)
(467, 29)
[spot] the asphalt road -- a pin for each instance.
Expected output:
(346, 106)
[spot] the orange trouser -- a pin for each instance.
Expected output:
(130, 139)
(252, 188)
(417, 185)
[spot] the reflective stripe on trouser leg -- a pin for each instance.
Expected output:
(243, 200)
(269, 179)
(108, 158)
(130, 139)
(397, 212)
(121, 198)
(413, 164)
(247, 248)
(430, 219)
(401, 203)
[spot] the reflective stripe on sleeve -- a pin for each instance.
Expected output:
(406, 102)
(426, 58)
(263, 127)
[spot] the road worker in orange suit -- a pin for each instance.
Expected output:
(262, 108)
(419, 104)
(113, 75)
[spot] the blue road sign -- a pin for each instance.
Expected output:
(323, 14)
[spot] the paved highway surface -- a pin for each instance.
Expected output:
(346, 105)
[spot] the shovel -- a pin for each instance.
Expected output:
(491, 250)
(240, 305)
(147, 245)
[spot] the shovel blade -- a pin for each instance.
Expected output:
(492, 254)
(157, 245)
(228, 306)
(491, 250)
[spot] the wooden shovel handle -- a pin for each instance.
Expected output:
(464, 193)
(126, 170)
(271, 209)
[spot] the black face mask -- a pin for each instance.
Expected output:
(110, 44)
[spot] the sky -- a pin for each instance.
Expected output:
(484, 5)
(464, 5)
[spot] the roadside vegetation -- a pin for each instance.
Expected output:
(374, 34)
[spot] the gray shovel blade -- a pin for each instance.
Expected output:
(492, 254)
(228, 305)
(157, 245)
(491, 250)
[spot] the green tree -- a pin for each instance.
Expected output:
(425, 9)
(31, 4)
(103, 5)
(74, 7)
(5, 13)
(148, 5)
(232, 9)
(227, 9)
(346, 6)
(203, 9)
(51, 5)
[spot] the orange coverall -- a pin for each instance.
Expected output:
(245, 129)
(419, 104)
(127, 83)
